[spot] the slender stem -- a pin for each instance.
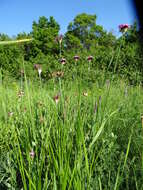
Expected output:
(60, 44)
(21, 81)
(119, 49)
(1, 74)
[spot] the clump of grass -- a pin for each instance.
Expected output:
(91, 138)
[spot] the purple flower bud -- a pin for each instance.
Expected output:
(56, 99)
(76, 57)
(63, 61)
(90, 58)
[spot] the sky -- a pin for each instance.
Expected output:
(17, 15)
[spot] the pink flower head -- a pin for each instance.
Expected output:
(123, 27)
(59, 38)
(32, 153)
(76, 57)
(38, 68)
(63, 61)
(90, 58)
(56, 99)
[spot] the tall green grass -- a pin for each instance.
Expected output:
(85, 141)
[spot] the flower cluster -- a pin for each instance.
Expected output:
(76, 58)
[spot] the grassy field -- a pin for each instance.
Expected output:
(70, 136)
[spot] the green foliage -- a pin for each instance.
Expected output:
(121, 57)
(82, 142)
(10, 60)
(91, 138)
(72, 42)
(44, 34)
(83, 28)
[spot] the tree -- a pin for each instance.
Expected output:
(4, 37)
(72, 42)
(44, 33)
(85, 29)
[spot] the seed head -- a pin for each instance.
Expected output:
(10, 114)
(58, 74)
(20, 94)
(40, 104)
(85, 94)
(38, 68)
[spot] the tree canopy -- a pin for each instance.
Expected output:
(84, 36)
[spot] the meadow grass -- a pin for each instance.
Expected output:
(91, 139)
